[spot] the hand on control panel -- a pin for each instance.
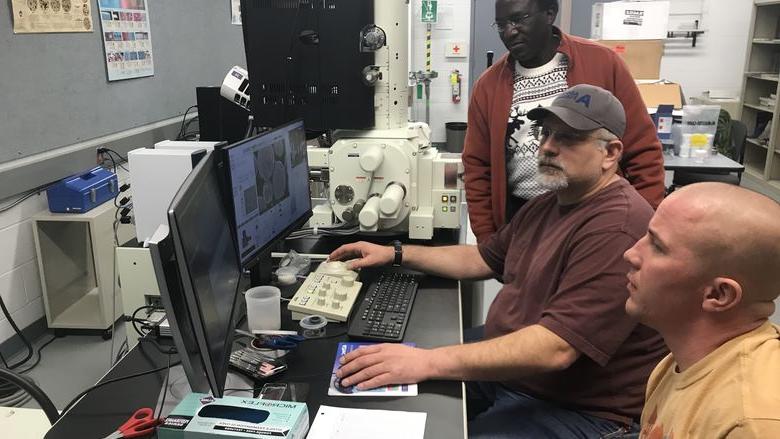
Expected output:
(335, 268)
(365, 254)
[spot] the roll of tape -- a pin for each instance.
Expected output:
(313, 326)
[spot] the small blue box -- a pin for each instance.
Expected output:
(83, 192)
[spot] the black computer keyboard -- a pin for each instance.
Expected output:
(384, 311)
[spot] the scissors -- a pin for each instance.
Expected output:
(141, 424)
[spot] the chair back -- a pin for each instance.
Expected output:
(738, 136)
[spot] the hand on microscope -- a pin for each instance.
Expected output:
(363, 254)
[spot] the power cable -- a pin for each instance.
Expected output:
(112, 381)
(19, 333)
(33, 390)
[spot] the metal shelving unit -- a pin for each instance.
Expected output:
(762, 78)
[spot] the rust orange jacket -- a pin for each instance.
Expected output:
(488, 115)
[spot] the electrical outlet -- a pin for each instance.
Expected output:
(153, 300)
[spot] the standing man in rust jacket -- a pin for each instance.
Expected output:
(500, 149)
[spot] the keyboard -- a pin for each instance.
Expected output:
(384, 311)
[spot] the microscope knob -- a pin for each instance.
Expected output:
(335, 304)
(325, 286)
(369, 215)
(347, 281)
(371, 159)
(340, 295)
(321, 301)
(392, 198)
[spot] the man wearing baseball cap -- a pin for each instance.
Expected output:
(560, 357)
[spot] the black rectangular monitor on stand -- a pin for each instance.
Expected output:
(197, 262)
(268, 177)
(209, 273)
(304, 61)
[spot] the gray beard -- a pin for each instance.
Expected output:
(551, 182)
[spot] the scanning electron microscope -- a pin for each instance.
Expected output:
(389, 178)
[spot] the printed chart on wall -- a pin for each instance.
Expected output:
(40, 16)
(127, 39)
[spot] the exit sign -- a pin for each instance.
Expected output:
(430, 11)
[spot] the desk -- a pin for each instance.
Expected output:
(435, 321)
(713, 164)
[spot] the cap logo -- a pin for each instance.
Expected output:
(577, 98)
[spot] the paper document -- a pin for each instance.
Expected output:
(335, 388)
(335, 422)
(38, 16)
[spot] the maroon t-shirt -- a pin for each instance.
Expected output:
(563, 268)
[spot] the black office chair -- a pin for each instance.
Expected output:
(738, 136)
(26, 384)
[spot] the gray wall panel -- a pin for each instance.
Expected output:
(54, 89)
(581, 11)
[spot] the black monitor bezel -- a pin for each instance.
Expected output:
(224, 160)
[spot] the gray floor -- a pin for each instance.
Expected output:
(71, 364)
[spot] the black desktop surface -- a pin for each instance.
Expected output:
(435, 321)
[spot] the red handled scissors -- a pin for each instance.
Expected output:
(141, 424)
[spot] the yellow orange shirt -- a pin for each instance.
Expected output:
(734, 392)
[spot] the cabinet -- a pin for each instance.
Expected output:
(759, 93)
(76, 264)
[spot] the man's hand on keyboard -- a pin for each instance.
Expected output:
(365, 254)
(384, 364)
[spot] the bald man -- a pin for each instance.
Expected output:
(706, 276)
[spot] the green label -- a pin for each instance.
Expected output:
(430, 9)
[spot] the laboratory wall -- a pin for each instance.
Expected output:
(20, 284)
(718, 60)
(453, 27)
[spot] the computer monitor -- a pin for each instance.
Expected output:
(201, 304)
(304, 60)
(268, 176)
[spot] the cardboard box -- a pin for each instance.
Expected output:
(642, 56)
(199, 416)
(655, 94)
(625, 20)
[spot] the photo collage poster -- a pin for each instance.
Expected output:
(127, 39)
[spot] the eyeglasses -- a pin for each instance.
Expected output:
(513, 22)
(563, 137)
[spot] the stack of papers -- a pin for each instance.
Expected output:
(335, 422)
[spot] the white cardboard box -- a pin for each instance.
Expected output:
(627, 20)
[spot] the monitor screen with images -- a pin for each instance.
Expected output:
(269, 182)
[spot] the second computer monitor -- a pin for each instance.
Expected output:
(269, 181)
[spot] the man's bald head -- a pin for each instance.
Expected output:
(734, 233)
